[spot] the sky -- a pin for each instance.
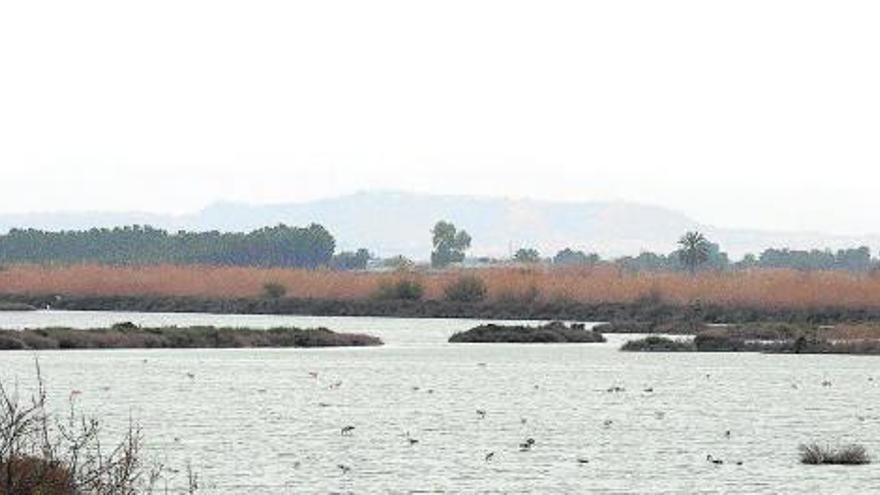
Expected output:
(761, 114)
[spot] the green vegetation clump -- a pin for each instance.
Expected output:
(555, 332)
(656, 343)
(527, 255)
(404, 289)
(274, 290)
(348, 260)
(467, 289)
(124, 336)
(845, 455)
(570, 257)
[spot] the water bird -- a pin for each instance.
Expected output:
(482, 365)
(489, 456)
(649, 390)
(345, 469)
(607, 423)
(191, 375)
(826, 383)
(527, 445)
(430, 390)
(713, 460)
(313, 374)
(323, 404)
(523, 421)
(412, 441)
(335, 384)
(481, 413)
(583, 460)
(727, 434)
(415, 389)
(616, 389)
(346, 430)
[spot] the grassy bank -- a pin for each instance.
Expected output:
(554, 332)
(129, 336)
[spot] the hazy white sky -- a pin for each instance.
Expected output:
(747, 113)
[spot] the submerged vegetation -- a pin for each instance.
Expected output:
(127, 335)
(554, 332)
(846, 455)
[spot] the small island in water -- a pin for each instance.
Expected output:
(130, 336)
(554, 332)
(778, 338)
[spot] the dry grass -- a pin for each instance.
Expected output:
(757, 288)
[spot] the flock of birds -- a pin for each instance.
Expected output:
(529, 443)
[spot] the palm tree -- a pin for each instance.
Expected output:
(693, 250)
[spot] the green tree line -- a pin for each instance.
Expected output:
(281, 245)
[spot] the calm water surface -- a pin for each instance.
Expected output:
(254, 421)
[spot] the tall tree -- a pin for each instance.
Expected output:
(450, 244)
(527, 255)
(693, 250)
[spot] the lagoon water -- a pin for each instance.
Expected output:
(254, 420)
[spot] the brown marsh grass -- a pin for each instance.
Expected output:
(753, 288)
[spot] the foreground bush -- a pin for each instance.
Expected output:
(848, 454)
(41, 454)
(554, 332)
(467, 289)
(127, 336)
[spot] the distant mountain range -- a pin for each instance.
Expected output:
(390, 223)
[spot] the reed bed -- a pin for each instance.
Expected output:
(762, 288)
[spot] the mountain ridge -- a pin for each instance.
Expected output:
(395, 222)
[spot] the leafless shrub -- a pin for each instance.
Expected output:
(50, 455)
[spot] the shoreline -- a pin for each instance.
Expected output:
(496, 310)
